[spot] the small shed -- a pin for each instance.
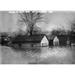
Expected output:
(56, 41)
(44, 41)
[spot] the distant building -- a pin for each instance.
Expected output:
(44, 41)
(56, 41)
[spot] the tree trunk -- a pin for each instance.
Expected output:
(31, 30)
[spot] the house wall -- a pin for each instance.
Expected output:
(56, 41)
(44, 41)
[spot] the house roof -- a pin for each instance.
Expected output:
(44, 39)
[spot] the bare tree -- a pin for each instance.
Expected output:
(30, 19)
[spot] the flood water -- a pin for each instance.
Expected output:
(46, 55)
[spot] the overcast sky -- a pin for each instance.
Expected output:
(55, 20)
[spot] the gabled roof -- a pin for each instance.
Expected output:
(44, 39)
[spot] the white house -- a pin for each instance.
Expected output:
(56, 41)
(44, 41)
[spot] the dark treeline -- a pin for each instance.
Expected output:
(7, 39)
